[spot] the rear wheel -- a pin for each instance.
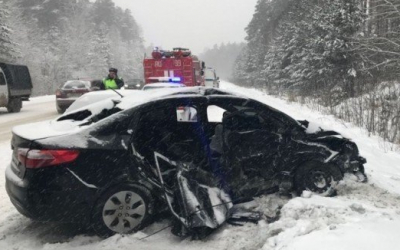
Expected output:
(318, 178)
(123, 209)
(14, 105)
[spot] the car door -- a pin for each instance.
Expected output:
(171, 127)
(251, 144)
(190, 137)
(164, 125)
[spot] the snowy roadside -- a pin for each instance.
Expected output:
(41, 99)
(362, 216)
(37, 109)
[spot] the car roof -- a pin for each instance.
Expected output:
(95, 103)
(98, 96)
(127, 99)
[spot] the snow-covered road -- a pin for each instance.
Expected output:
(362, 216)
(37, 109)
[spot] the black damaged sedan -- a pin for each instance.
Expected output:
(118, 163)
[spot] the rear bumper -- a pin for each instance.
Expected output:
(66, 205)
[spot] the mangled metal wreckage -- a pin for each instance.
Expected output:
(194, 198)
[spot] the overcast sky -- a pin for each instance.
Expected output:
(193, 24)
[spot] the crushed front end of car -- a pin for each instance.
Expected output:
(348, 158)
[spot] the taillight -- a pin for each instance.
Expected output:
(36, 158)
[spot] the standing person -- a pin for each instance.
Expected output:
(112, 81)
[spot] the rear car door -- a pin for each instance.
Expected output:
(170, 125)
(173, 128)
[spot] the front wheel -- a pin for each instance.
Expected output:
(360, 174)
(123, 209)
(318, 178)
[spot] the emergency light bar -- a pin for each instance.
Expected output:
(165, 79)
(176, 79)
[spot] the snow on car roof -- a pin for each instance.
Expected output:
(133, 98)
(98, 96)
(90, 105)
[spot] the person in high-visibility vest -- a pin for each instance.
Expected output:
(112, 81)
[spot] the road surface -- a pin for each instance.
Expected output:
(38, 109)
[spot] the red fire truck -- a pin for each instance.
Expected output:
(178, 65)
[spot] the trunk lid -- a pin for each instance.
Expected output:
(45, 129)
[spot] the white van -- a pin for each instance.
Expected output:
(210, 78)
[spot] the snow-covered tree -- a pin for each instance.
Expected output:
(305, 45)
(61, 40)
(7, 48)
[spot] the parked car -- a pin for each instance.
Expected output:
(117, 163)
(71, 90)
(160, 85)
(134, 84)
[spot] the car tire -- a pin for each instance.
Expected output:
(14, 105)
(317, 177)
(123, 209)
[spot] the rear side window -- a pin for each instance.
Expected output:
(76, 85)
(186, 114)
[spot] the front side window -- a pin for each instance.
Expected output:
(2, 79)
(215, 113)
(244, 114)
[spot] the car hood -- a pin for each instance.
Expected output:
(331, 139)
(313, 133)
